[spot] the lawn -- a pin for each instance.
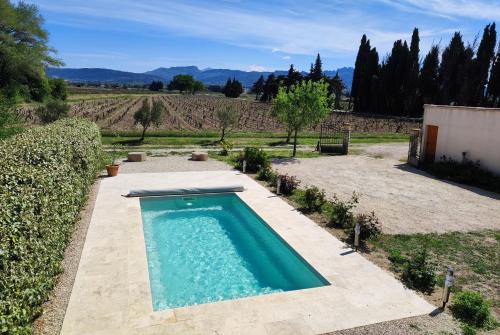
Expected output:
(160, 139)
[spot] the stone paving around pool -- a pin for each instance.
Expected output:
(111, 293)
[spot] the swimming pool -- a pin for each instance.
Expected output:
(208, 248)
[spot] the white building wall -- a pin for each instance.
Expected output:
(473, 130)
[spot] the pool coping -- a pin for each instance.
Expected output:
(111, 294)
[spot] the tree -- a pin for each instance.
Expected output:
(52, 111)
(335, 87)
(258, 87)
(147, 115)
(24, 53)
(293, 77)
(359, 71)
(411, 82)
(156, 86)
(429, 78)
(493, 91)
(304, 105)
(228, 118)
(270, 88)
(181, 82)
(482, 64)
(198, 86)
(58, 88)
(450, 70)
(233, 88)
(316, 73)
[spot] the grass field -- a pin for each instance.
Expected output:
(158, 139)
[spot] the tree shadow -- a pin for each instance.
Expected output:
(278, 143)
(285, 161)
(409, 168)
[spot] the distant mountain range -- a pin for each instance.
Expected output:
(208, 76)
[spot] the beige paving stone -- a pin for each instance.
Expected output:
(112, 295)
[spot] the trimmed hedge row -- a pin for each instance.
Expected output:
(45, 174)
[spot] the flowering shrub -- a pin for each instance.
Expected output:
(45, 174)
(288, 184)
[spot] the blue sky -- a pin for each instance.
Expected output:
(258, 35)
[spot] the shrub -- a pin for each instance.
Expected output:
(267, 174)
(288, 184)
(370, 226)
(256, 159)
(418, 272)
(52, 111)
(466, 172)
(471, 308)
(341, 214)
(314, 199)
(225, 147)
(45, 173)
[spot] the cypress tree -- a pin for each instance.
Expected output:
(493, 91)
(482, 64)
(270, 88)
(429, 78)
(317, 70)
(392, 81)
(359, 73)
(449, 71)
(411, 82)
(257, 87)
(293, 77)
(336, 86)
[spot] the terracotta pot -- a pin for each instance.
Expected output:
(112, 170)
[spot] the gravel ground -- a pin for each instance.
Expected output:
(50, 322)
(406, 199)
(171, 164)
(440, 324)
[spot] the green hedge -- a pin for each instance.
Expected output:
(45, 174)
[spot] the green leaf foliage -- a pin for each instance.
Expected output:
(45, 174)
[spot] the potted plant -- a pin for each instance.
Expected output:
(112, 168)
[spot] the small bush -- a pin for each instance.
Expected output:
(314, 199)
(226, 146)
(341, 213)
(471, 308)
(370, 227)
(466, 172)
(45, 173)
(419, 272)
(288, 184)
(267, 174)
(256, 159)
(52, 111)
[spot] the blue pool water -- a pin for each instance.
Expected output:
(208, 248)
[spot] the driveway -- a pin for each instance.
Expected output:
(406, 199)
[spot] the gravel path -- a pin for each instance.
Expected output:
(406, 199)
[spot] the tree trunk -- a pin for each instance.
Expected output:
(294, 143)
(288, 135)
(223, 135)
(143, 133)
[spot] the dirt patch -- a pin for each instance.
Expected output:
(406, 199)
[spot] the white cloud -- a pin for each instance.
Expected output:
(335, 31)
(286, 57)
(258, 68)
(477, 9)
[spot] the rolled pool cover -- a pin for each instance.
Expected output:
(183, 191)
